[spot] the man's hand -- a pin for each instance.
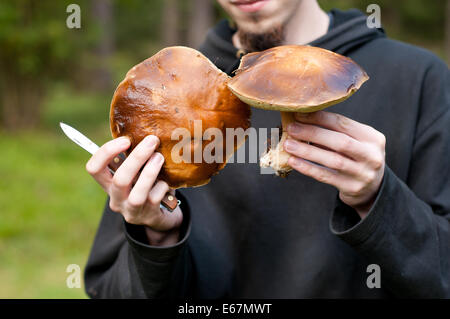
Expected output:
(137, 197)
(351, 154)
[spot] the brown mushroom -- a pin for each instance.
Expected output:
(171, 90)
(294, 78)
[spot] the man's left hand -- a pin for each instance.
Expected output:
(351, 155)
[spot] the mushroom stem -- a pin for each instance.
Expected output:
(276, 157)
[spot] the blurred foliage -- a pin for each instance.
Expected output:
(32, 38)
(39, 49)
(50, 210)
(50, 205)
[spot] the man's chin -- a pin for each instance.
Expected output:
(260, 41)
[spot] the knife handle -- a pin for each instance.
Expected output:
(169, 201)
(116, 162)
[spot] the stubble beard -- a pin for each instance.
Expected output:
(253, 42)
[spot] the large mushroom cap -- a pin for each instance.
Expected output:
(171, 90)
(295, 78)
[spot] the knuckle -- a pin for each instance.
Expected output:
(129, 218)
(153, 201)
(114, 206)
(165, 186)
(119, 182)
(347, 144)
(356, 189)
(381, 140)
(134, 202)
(338, 163)
(377, 162)
(320, 175)
(341, 121)
(368, 177)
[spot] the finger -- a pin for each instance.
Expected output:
(97, 165)
(126, 173)
(343, 183)
(321, 174)
(140, 192)
(336, 141)
(340, 123)
(158, 192)
(320, 156)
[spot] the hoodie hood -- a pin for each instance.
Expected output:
(347, 31)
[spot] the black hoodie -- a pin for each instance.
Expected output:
(251, 235)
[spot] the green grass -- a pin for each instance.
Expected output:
(50, 207)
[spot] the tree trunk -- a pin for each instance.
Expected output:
(201, 18)
(21, 101)
(103, 10)
(171, 17)
(21, 95)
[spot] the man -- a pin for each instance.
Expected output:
(379, 198)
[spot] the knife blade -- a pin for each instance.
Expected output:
(170, 202)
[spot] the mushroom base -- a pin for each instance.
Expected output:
(276, 157)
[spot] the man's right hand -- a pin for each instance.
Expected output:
(137, 198)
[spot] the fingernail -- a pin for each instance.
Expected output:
(150, 140)
(158, 158)
(288, 145)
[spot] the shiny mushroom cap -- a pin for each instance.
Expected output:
(296, 78)
(169, 91)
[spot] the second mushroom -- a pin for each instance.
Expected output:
(294, 78)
